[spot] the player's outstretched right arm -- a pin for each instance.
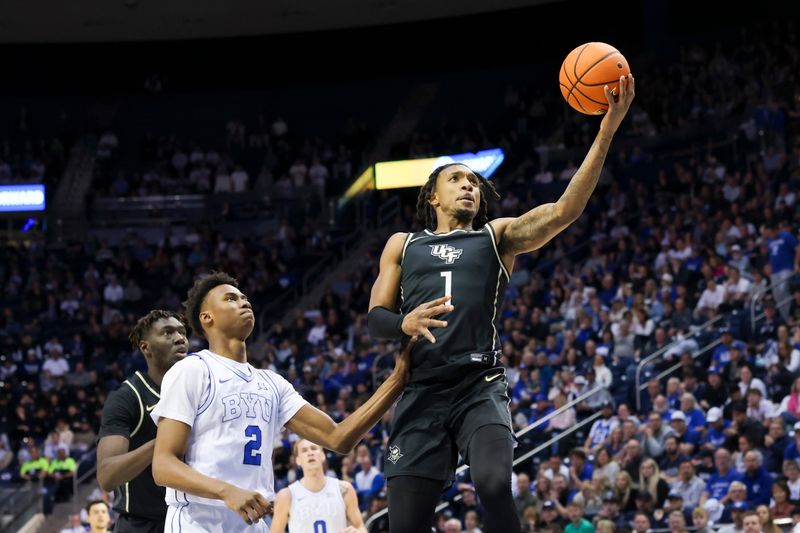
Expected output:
(315, 425)
(280, 516)
(170, 471)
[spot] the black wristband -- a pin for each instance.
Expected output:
(383, 324)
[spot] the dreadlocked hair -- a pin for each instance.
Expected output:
(144, 324)
(426, 214)
(198, 292)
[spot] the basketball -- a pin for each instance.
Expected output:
(584, 73)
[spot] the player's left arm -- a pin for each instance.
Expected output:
(535, 228)
(280, 515)
(313, 424)
(354, 519)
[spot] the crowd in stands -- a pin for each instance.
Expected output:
(28, 155)
(701, 240)
(267, 157)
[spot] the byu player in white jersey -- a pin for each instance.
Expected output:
(316, 503)
(218, 417)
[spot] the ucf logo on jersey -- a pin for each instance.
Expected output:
(445, 252)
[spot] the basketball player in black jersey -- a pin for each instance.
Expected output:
(127, 433)
(456, 400)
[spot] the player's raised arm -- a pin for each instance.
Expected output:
(535, 228)
(313, 424)
(383, 320)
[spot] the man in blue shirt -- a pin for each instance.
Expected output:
(722, 353)
(792, 452)
(715, 435)
(717, 485)
(757, 479)
(784, 258)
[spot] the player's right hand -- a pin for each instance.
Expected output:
(419, 320)
(250, 505)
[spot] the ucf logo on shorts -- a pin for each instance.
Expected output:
(445, 252)
(394, 454)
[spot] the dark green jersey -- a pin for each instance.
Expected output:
(127, 413)
(466, 265)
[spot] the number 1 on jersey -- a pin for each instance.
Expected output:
(448, 283)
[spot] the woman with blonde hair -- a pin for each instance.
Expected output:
(765, 517)
(605, 526)
(624, 492)
(591, 494)
(650, 481)
(700, 519)
(615, 443)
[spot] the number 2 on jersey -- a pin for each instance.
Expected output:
(251, 454)
(448, 283)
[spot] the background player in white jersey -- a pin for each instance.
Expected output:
(218, 417)
(316, 503)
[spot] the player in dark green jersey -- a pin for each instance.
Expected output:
(127, 433)
(452, 276)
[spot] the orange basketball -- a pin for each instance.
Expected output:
(585, 72)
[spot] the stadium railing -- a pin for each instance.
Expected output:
(88, 461)
(18, 506)
(752, 304)
(699, 330)
(759, 296)
(463, 468)
(697, 353)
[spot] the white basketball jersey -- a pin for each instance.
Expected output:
(317, 512)
(236, 412)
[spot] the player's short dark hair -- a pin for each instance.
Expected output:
(196, 295)
(93, 503)
(426, 214)
(144, 324)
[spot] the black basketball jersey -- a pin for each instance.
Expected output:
(465, 264)
(127, 413)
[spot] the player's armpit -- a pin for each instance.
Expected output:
(280, 515)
